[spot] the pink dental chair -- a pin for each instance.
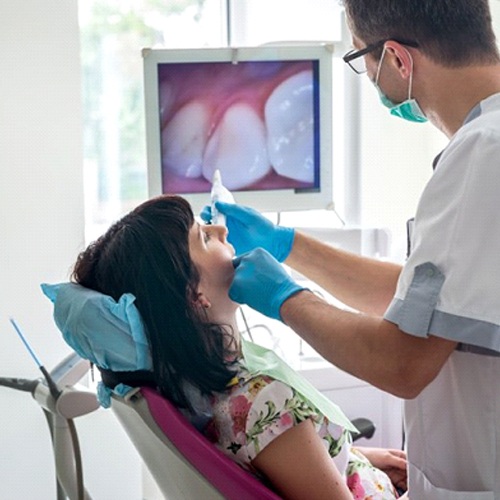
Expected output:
(184, 464)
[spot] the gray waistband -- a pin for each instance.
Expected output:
(474, 349)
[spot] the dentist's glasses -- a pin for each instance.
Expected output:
(354, 58)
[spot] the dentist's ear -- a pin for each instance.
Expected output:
(400, 56)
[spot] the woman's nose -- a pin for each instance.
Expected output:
(222, 231)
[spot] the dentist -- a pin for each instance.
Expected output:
(429, 331)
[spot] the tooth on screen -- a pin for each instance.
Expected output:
(184, 138)
(167, 99)
(237, 148)
(289, 122)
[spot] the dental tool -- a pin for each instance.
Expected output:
(54, 390)
(61, 401)
(219, 193)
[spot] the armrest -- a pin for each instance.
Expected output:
(366, 428)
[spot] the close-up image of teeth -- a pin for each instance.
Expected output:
(252, 121)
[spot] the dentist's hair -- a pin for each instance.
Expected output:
(146, 253)
(451, 32)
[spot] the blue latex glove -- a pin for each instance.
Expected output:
(248, 229)
(262, 283)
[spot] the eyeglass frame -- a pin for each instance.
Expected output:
(355, 54)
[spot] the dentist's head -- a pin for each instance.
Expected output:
(419, 54)
(449, 32)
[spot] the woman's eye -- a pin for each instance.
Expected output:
(206, 236)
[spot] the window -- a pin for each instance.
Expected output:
(112, 35)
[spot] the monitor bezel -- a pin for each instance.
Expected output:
(279, 200)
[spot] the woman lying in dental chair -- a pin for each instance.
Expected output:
(253, 407)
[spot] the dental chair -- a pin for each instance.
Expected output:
(111, 335)
(184, 464)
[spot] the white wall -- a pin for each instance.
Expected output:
(495, 10)
(41, 231)
(396, 158)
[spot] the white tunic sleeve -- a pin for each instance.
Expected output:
(450, 285)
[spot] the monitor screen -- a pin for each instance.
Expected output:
(261, 116)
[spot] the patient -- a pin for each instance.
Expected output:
(179, 272)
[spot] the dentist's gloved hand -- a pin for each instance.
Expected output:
(248, 229)
(261, 282)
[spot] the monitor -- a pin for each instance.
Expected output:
(260, 115)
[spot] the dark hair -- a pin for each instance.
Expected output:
(146, 253)
(450, 32)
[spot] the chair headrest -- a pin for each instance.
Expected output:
(110, 334)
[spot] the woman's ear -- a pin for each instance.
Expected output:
(400, 57)
(202, 300)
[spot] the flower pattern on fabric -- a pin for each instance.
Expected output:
(239, 407)
(256, 409)
(355, 486)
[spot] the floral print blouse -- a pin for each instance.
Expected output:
(257, 408)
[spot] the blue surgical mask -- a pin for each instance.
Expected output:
(408, 109)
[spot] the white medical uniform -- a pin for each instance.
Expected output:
(450, 288)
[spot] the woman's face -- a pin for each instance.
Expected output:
(212, 255)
